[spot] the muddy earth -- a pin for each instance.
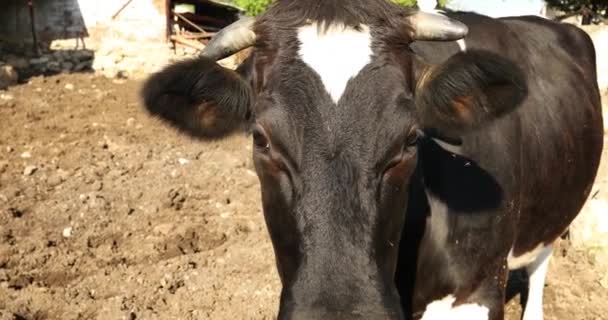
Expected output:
(107, 214)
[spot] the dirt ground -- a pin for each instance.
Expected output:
(105, 214)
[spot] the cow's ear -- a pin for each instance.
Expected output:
(467, 91)
(199, 97)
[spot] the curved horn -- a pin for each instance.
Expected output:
(230, 40)
(436, 27)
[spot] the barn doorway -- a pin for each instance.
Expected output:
(192, 23)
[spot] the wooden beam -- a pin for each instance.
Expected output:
(121, 9)
(184, 24)
(196, 36)
(187, 42)
(169, 21)
(192, 24)
(206, 20)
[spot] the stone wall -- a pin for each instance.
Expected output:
(85, 35)
(55, 19)
(71, 19)
(141, 20)
(82, 35)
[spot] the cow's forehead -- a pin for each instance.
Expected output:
(372, 108)
(335, 89)
(337, 53)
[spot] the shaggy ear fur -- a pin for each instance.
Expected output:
(468, 91)
(199, 97)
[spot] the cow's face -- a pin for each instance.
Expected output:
(334, 157)
(335, 113)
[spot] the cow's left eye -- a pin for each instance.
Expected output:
(399, 162)
(260, 141)
(412, 139)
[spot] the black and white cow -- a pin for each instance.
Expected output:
(402, 173)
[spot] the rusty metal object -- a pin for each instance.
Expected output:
(30, 4)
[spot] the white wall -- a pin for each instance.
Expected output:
(499, 8)
(67, 19)
(140, 19)
(95, 11)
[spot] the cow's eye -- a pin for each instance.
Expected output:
(260, 141)
(412, 139)
(407, 151)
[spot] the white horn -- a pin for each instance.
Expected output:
(230, 40)
(436, 27)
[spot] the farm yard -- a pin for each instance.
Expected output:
(107, 214)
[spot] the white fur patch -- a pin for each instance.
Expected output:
(524, 259)
(537, 271)
(462, 44)
(336, 54)
(444, 310)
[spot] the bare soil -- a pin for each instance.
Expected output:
(106, 214)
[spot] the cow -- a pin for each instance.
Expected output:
(407, 160)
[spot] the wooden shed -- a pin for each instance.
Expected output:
(43, 21)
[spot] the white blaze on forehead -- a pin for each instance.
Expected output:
(336, 54)
(444, 310)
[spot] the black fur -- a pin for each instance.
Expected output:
(338, 180)
(186, 92)
(484, 84)
(293, 13)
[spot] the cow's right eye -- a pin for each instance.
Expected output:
(260, 141)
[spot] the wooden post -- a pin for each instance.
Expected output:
(30, 4)
(169, 15)
(190, 23)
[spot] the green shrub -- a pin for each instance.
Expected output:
(410, 3)
(253, 7)
(407, 3)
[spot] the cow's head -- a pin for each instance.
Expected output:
(335, 101)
